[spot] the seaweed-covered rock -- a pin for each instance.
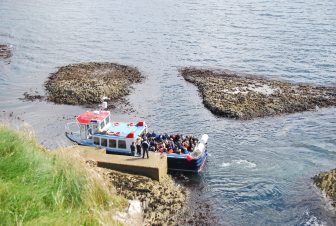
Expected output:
(87, 83)
(247, 97)
(5, 51)
(163, 202)
(326, 181)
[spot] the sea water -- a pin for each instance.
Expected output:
(259, 171)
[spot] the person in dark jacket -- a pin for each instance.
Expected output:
(145, 146)
(132, 148)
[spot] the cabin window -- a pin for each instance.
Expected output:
(96, 140)
(107, 120)
(104, 142)
(83, 132)
(112, 143)
(94, 128)
(102, 125)
(122, 144)
(89, 129)
(82, 129)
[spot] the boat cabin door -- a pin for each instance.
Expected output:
(85, 131)
(94, 126)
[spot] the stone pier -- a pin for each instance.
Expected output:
(155, 167)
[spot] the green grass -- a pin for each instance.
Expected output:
(41, 188)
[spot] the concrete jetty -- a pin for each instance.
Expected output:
(155, 167)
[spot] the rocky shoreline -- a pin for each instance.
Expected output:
(326, 181)
(163, 203)
(5, 51)
(86, 83)
(246, 97)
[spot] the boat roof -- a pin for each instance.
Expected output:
(90, 116)
(123, 130)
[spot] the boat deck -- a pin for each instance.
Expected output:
(155, 167)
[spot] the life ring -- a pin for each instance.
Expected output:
(116, 123)
(131, 124)
(113, 133)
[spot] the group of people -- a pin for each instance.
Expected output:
(169, 144)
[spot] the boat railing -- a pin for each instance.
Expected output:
(72, 128)
(200, 147)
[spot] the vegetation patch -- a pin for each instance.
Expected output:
(247, 97)
(42, 188)
(326, 181)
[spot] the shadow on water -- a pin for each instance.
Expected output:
(199, 210)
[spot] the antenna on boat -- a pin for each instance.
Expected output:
(104, 103)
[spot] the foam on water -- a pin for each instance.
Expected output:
(239, 163)
(313, 220)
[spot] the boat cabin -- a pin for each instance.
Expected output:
(97, 129)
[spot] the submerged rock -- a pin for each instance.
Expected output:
(5, 51)
(32, 97)
(86, 83)
(247, 97)
(326, 181)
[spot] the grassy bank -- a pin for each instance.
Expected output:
(41, 188)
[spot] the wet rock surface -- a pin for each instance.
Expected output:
(86, 83)
(326, 181)
(246, 97)
(163, 203)
(5, 51)
(32, 96)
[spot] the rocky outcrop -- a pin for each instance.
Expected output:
(247, 97)
(326, 181)
(162, 202)
(5, 51)
(86, 83)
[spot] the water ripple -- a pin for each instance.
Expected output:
(259, 171)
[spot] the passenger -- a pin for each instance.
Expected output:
(152, 145)
(170, 151)
(145, 146)
(177, 138)
(165, 136)
(132, 148)
(171, 143)
(185, 151)
(153, 135)
(179, 145)
(161, 151)
(190, 143)
(160, 137)
(138, 146)
(192, 148)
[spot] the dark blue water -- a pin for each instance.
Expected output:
(259, 171)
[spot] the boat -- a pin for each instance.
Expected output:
(97, 129)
